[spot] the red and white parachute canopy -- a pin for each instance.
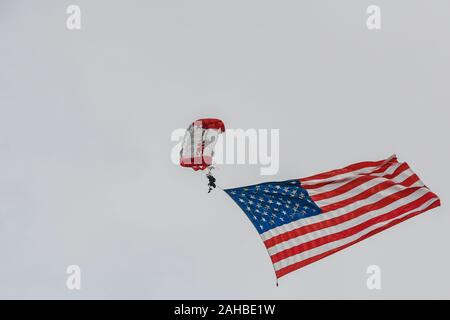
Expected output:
(198, 144)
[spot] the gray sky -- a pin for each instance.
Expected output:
(86, 118)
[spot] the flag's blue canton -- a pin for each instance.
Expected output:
(272, 204)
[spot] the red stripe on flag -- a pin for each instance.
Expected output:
(350, 168)
(353, 230)
(340, 219)
(281, 272)
(356, 182)
(367, 193)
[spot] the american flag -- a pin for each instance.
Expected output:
(304, 220)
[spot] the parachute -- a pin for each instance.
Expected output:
(198, 144)
(197, 150)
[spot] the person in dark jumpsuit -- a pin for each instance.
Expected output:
(211, 182)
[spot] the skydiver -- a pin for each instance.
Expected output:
(211, 182)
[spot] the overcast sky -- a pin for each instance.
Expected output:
(86, 118)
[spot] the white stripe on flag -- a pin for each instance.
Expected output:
(347, 224)
(363, 187)
(335, 244)
(332, 214)
(364, 170)
(334, 185)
